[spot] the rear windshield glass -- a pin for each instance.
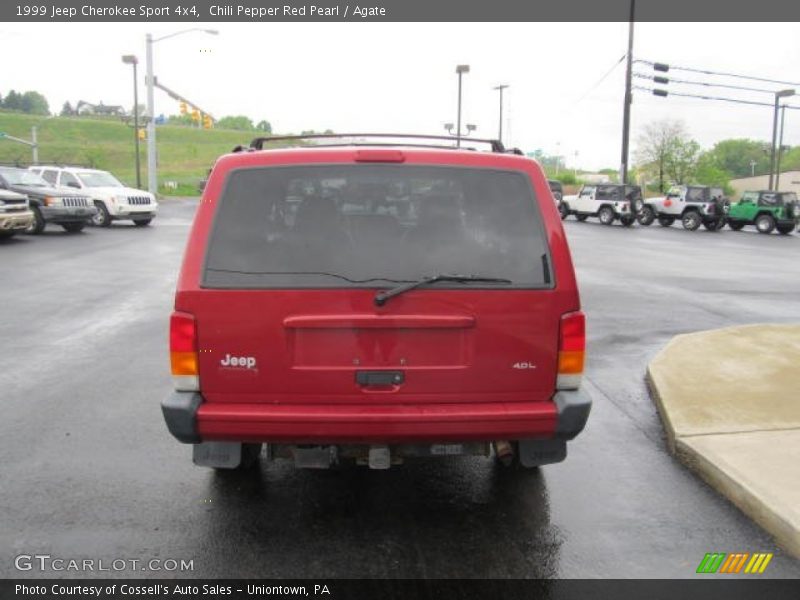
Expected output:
(374, 225)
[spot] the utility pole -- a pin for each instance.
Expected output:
(626, 111)
(778, 96)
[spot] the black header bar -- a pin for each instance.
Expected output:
(266, 11)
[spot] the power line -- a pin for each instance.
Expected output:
(602, 79)
(722, 74)
(735, 100)
(687, 82)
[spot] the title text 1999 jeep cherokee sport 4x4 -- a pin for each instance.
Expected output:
(608, 202)
(371, 303)
(694, 205)
(767, 211)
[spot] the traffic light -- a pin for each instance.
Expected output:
(184, 108)
(663, 68)
(207, 122)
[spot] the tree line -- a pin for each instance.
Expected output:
(667, 154)
(30, 102)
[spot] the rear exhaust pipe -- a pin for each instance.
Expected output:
(504, 451)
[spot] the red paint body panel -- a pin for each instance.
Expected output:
(376, 424)
(456, 347)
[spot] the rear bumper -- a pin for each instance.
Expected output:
(191, 421)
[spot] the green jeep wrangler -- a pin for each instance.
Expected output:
(766, 210)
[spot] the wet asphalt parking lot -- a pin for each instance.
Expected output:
(88, 469)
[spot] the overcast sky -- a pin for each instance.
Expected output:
(400, 77)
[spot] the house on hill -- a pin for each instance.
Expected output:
(100, 109)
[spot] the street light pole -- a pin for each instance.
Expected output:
(500, 89)
(626, 111)
(460, 69)
(152, 180)
(780, 150)
(778, 96)
(130, 59)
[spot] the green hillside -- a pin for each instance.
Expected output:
(185, 154)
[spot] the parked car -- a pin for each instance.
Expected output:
(15, 213)
(766, 210)
(608, 202)
(371, 303)
(113, 200)
(694, 205)
(48, 204)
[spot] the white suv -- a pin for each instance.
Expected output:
(113, 200)
(607, 202)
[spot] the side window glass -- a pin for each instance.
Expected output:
(694, 195)
(749, 197)
(50, 176)
(769, 199)
(68, 179)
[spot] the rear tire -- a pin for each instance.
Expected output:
(646, 216)
(606, 215)
(142, 222)
(563, 210)
(38, 224)
(765, 223)
(73, 227)
(665, 221)
(691, 220)
(735, 225)
(786, 229)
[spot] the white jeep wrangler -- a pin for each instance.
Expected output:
(694, 205)
(113, 200)
(608, 202)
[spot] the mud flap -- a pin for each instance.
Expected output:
(218, 455)
(535, 453)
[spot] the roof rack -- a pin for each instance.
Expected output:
(496, 145)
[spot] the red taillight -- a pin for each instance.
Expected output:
(571, 350)
(183, 351)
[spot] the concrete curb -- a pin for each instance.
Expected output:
(721, 429)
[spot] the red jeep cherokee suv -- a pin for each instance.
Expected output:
(368, 301)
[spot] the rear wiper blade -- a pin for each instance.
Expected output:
(382, 297)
